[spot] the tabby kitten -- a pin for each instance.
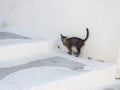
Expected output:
(74, 42)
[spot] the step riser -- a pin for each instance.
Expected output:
(19, 50)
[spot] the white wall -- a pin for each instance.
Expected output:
(118, 26)
(69, 17)
(118, 67)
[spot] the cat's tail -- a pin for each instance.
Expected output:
(87, 34)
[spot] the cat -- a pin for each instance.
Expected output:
(76, 42)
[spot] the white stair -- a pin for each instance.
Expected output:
(57, 78)
(14, 49)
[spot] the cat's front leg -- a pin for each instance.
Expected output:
(69, 50)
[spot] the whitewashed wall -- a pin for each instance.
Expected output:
(69, 17)
(118, 26)
(118, 67)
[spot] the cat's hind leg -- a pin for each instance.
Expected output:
(78, 51)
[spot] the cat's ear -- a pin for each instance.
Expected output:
(63, 36)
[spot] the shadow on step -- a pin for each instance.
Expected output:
(53, 61)
(7, 35)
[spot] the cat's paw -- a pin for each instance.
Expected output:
(76, 54)
(70, 53)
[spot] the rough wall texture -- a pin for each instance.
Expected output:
(69, 17)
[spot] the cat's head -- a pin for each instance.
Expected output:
(63, 38)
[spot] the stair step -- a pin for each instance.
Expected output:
(11, 49)
(53, 77)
